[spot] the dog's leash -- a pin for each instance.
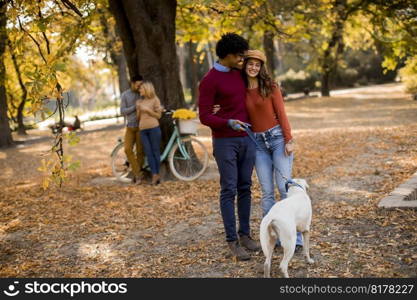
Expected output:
(291, 182)
(288, 182)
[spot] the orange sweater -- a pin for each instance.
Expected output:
(147, 121)
(267, 113)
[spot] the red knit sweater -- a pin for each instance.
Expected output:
(228, 90)
(267, 113)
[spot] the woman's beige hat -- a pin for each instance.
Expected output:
(256, 54)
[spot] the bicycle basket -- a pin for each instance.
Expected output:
(188, 126)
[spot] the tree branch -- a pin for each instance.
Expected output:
(17, 69)
(33, 39)
(43, 32)
(71, 6)
(60, 8)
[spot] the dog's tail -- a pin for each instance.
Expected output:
(268, 234)
(273, 230)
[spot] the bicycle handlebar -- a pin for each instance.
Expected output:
(168, 111)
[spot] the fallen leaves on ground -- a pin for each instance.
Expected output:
(87, 229)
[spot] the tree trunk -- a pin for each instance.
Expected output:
(147, 30)
(329, 60)
(119, 60)
(268, 42)
(279, 50)
(181, 64)
(117, 56)
(326, 68)
(21, 130)
(20, 125)
(5, 132)
(194, 72)
(325, 89)
(210, 59)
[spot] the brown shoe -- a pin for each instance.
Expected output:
(136, 180)
(156, 179)
(237, 251)
(249, 243)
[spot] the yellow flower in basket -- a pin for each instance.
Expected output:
(184, 114)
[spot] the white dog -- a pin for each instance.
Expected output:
(283, 221)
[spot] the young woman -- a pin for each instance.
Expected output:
(274, 153)
(274, 149)
(149, 112)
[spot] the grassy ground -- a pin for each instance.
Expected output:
(353, 150)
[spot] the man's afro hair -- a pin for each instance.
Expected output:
(231, 43)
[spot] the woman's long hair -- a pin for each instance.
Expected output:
(266, 84)
(149, 90)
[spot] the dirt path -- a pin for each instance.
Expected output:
(353, 149)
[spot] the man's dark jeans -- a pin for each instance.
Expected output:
(235, 157)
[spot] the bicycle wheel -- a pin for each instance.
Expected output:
(119, 164)
(189, 161)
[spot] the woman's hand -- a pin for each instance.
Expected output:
(289, 148)
(138, 106)
(216, 108)
(143, 108)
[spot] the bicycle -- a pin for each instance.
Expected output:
(187, 157)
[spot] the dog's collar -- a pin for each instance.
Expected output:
(291, 182)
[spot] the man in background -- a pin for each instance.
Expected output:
(132, 137)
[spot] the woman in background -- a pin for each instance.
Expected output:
(149, 111)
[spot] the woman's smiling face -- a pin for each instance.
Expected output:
(253, 66)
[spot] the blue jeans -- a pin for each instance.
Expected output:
(272, 163)
(151, 141)
(235, 158)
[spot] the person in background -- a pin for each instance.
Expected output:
(77, 124)
(232, 148)
(149, 111)
(132, 138)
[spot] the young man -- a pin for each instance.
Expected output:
(233, 150)
(132, 137)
